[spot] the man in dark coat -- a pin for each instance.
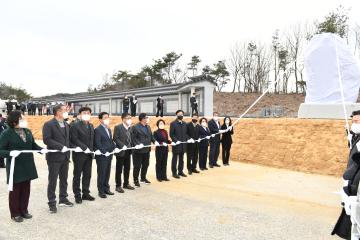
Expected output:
(160, 106)
(2, 128)
(103, 144)
(133, 104)
(351, 179)
(141, 136)
(193, 104)
(126, 103)
(82, 138)
(57, 137)
(214, 127)
(193, 148)
(122, 139)
(29, 108)
(33, 108)
(178, 133)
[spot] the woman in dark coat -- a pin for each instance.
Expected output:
(204, 144)
(18, 137)
(161, 152)
(226, 140)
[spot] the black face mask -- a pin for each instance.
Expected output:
(194, 120)
(180, 117)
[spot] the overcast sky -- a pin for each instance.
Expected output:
(49, 46)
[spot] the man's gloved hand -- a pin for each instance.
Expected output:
(78, 149)
(15, 153)
(164, 144)
(140, 146)
(64, 149)
(97, 152)
(124, 147)
(107, 154)
(157, 143)
(44, 151)
(116, 150)
(87, 151)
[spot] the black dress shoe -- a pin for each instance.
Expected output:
(217, 165)
(119, 190)
(88, 197)
(109, 192)
(27, 216)
(176, 176)
(137, 184)
(145, 181)
(102, 195)
(78, 200)
(129, 187)
(190, 172)
(211, 166)
(166, 179)
(52, 209)
(206, 169)
(65, 203)
(182, 174)
(160, 180)
(18, 219)
(196, 171)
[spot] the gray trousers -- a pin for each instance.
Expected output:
(57, 170)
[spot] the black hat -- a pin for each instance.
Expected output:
(354, 113)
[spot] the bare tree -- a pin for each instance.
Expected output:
(295, 39)
(235, 65)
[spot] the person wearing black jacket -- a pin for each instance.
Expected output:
(193, 148)
(178, 133)
(56, 136)
(122, 139)
(141, 136)
(133, 104)
(193, 104)
(82, 137)
(103, 144)
(161, 151)
(160, 106)
(126, 103)
(226, 140)
(351, 179)
(214, 127)
(204, 134)
(2, 128)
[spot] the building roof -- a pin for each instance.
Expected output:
(145, 91)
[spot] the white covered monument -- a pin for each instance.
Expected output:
(332, 75)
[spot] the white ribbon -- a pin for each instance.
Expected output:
(11, 176)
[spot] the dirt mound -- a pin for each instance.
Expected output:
(313, 146)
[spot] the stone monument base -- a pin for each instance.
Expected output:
(326, 110)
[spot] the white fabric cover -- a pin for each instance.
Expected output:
(321, 70)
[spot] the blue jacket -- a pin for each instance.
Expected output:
(103, 142)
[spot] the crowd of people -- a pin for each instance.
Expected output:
(199, 140)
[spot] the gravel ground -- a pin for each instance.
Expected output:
(242, 201)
